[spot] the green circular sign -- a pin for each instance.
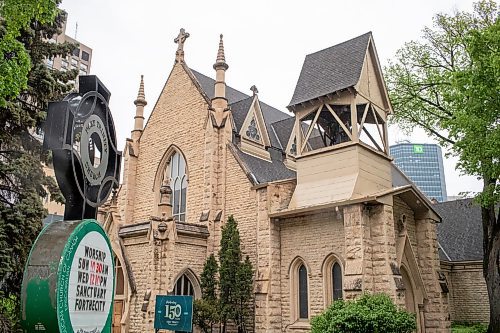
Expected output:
(75, 279)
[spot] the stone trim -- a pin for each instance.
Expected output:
(137, 229)
(193, 230)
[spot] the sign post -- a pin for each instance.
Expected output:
(68, 283)
(174, 313)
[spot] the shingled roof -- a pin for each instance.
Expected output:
(460, 235)
(330, 70)
(240, 104)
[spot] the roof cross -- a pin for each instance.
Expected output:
(180, 39)
(254, 90)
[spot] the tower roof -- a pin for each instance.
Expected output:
(332, 69)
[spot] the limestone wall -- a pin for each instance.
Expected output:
(140, 255)
(312, 238)
(468, 296)
(241, 203)
(178, 117)
(400, 208)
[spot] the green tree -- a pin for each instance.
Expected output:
(244, 278)
(23, 183)
(235, 278)
(448, 83)
(205, 309)
(368, 314)
(15, 17)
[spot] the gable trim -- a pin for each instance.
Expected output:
(255, 112)
(193, 80)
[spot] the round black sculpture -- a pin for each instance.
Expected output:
(80, 133)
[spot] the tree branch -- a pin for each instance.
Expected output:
(432, 131)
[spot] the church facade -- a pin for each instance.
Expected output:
(322, 211)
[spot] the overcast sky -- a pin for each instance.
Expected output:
(265, 44)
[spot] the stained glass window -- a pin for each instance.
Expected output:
(303, 301)
(178, 183)
(252, 131)
(337, 281)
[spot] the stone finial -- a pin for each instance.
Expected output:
(141, 98)
(164, 206)
(140, 103)
(221, 58)
(179, 40)
(254, 90)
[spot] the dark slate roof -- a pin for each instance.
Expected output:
(283, 130)
(240, 104)
(240, 110)
(208, 85)
(271, 115)
(460, 234)
(330, 70)
(264, 171)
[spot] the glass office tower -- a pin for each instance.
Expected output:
(423, 164)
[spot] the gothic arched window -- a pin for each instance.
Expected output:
(178, 184)
(336, 281)
(302, 293)
(332, 279)
(183, 286)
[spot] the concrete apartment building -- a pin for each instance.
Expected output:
(81, 58)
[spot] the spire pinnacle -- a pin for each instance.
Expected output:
(140, 103)
(221, 59)
(141, 98)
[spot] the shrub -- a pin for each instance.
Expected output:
(468, 328)
(368, 314)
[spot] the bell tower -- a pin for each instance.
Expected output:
(341, 107)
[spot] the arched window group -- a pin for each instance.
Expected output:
(332, 272)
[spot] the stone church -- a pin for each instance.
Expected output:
(322, 211)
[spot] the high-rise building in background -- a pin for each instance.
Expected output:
(80, 59)
(423, 164)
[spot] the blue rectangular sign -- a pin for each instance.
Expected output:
(174, 313)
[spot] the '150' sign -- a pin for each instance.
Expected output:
(174, 313)
(173, 310)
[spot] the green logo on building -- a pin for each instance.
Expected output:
(418, 149)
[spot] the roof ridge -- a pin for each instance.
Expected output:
(286, 119)
(339, 44)
(194, 70)
(241, 100)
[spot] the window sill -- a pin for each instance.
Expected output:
(301, 324)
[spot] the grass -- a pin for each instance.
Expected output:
(468, 328)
